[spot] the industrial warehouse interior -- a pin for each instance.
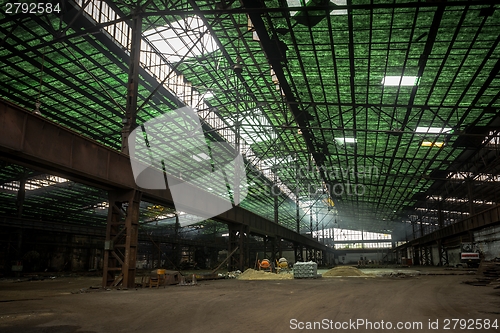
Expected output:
(249, 166)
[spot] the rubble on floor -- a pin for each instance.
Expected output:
(230, 275)
(402, 275)
(90, 289)
(488, 274)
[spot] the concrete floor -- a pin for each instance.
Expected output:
(246, 306)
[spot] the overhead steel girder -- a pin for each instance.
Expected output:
(485, 218)
(258, 8)
(99, 232)
(34, 141)
(274, 56)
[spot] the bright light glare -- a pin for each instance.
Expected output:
(400, 80)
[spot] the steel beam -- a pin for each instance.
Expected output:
(485, 218)
(275, 57)
(129, 122)
(120, 246)
(443, 254)
(260, 9)
(34, 141)
(233, 262)
(98, 232)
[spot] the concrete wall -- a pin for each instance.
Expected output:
(454, 256)
(488, 241)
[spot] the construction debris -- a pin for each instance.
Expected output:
(344, 271)
(190, 281)
(402, 275)
(230, 275)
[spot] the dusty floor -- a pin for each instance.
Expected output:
(248, 306)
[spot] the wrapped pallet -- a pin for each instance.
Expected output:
(304, 270)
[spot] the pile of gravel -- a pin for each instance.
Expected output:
(344, 271)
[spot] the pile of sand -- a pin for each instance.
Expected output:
(252, 274)
(344, 271)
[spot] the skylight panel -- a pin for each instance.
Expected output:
(176, 40)
(302, 3)
(208, 95)
(35, 183)
(201, 157)
(294, 3)
(400, 81)
(270, 162)
(254, 127)
(339, 11)
(492, 139)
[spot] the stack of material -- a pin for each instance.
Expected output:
(302, 270)
(490, 269)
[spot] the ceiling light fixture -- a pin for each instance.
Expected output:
(347, 140)
(400, 80)
(433, 130)
(432, 144)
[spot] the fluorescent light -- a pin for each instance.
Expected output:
(400, 80)
(432, 144)
(347, 140)
(434, 130)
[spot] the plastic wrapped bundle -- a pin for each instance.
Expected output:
(302, 270)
